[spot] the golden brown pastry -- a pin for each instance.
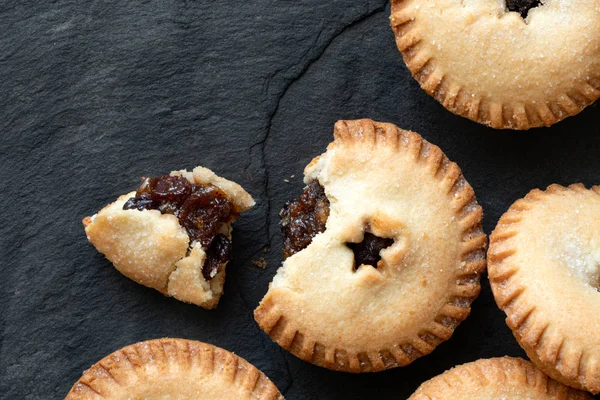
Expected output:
(544, 269)
(175, 369)
(385, 251)
(173, 234)
(505, 378)
(501, 68)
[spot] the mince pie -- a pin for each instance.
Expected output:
(175, 369)
(173, 234)
(544, 269)
(384, 249)
(505, 378)
(514, 64)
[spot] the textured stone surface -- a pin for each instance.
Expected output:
(94, 95)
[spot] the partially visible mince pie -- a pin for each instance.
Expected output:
(514, 64)
(503, 378)
(176, 369)
(384, 249)
(173, 234)
(544, 269)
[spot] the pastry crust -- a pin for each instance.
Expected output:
(544, 269)
(496, 378)
(402, 187)
(153, 249)
(173, 369)
(489, 65)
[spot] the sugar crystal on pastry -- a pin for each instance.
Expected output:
(579, 253)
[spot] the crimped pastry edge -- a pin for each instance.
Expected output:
(421, 62)
(504, 371)
(169, 351)
(366, 132)
(545, 354)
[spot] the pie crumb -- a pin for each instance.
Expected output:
(260, 263)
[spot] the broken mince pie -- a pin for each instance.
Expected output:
(173, 234)
(514, 64)
(505, 378)
(384, 250)
(544, 270)
(173, 369)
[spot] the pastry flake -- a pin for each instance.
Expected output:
(486, 63)
(173, 369)
(544, 270)
(415, 228)
(173, 234)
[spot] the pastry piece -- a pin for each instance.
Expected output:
(544, 269)
(514, 64)
(505, 378)
(173, 234)
(173, 369)
(385, 251)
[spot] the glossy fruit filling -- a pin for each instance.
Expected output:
(201, 210)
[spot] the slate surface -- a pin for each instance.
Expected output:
(94, 95)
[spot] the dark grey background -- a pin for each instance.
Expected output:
(95, 94)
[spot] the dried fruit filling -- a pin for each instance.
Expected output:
(200, 209)
(367, 251)
(303, 219)
(522, 6)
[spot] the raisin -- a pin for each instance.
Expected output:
(218, 252)
(171, 188)
(142, 202)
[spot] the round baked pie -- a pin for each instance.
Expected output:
(173, 369)
(514, 64)
(504, 378)
(173, 234)
(384, 252)
(544, 269)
